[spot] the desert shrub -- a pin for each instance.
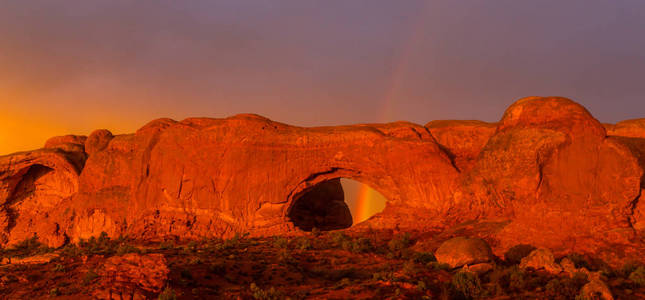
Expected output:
(638, 276)
(517, 279)
(423, 257)
(270, 294)
(515, 254)
(434, 265)
(421, 285)
(565, 288)
(280, 242)
(338, 237)
(89, 277)
(466, 285)
(192, 246)
(218, 268)
(71, 250)
(186, 274)
(167, 245)
(345, 282)
(579, 260)
(387, 276)
(629, 267)
(400, 242)
(303, 244)
(28, 247)
(167, 294)
(315, 231)
(54, 292)
(236, 241)
(58, 268)
(410, 268)
(513, 279)
(497, 281)
(126, 248)
(359, 245)
(285, 257)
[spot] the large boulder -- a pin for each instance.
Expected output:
(541, 259)
(460, 251)
(132, 276)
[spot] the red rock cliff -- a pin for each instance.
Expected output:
(547, 173)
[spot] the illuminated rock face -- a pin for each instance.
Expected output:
(547, 171)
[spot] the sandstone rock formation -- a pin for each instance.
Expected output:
(541, 259)
(460, 251)
(132, 276)
(548, 173)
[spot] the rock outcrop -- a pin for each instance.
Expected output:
(132, 276)
(460, 251)
(548, 172)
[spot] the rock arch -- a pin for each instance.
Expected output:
(34, 185)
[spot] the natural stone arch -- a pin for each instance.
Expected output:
(378, 181)
(34, 184)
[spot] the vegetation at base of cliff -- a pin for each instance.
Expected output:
(101, 245)
(27, 247)
(339, 265)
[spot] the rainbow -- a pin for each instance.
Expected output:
(368, 203)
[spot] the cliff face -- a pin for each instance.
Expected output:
(548, 173)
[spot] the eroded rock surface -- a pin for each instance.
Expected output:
(548, 173)
(132, 276)
(461, 251)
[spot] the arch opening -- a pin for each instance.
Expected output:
(334, 204)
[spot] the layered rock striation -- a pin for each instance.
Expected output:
(548, 173)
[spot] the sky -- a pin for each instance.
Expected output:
(74, 66)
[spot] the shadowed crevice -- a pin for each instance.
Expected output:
(321, 206)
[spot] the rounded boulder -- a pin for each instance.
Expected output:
(460, 251)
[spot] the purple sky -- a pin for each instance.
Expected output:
(72, 66)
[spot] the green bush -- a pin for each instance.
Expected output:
(89, 277)
(315, 232)
(167, 294)
(565, 288)
(359, 245)
(423, 257)
(345, 282)
(27, 247)
(517, 279)
(384, 276)
(579, 260)
(400, 242)
(280, 242)
(58, 268)
(638, 276)
(515, 254)
(466, 285)
(338, 237)
(629, 267)
(270, 294)
(434, 265)
(167, 245)
(410, 268)
(304, 244)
